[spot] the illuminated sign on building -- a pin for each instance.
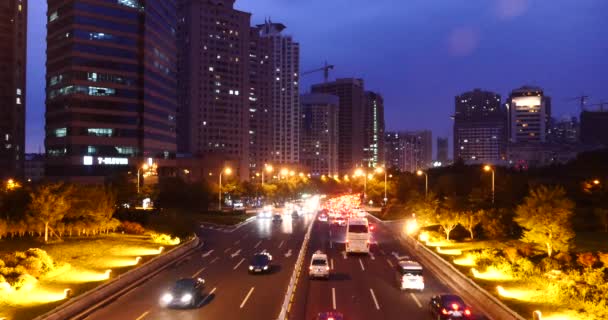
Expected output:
(89, 161)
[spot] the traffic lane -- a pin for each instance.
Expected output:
(144, 299)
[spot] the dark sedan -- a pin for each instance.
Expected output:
(260, 263)
(184, 293)
(449, 307)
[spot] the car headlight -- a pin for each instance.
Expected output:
(250, 267)
(166, 298)
(265, 267)
(186, 298)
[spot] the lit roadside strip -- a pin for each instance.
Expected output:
(246, 298)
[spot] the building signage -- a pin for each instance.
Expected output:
(105, 161)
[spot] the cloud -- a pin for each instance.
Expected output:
(463, 41)
(509, 9)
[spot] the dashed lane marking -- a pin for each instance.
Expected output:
(257, 244)
(206, 254)
(143, 315)
(389, 263)
(198, 272)
(333, 298)
(227, 250)
(214, 260)
(371, 255)
(238, 264)
(361, 264)
(246, 297)
(208, 296)
(374, 298)
(332, 263)
(416, 300)
(281, 244)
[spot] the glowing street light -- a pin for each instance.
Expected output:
(596, 182)
(426, 181)
(383, 170)
(284, 172)
(488, 168)
(145, 167)
(226, 171)
(267, 168)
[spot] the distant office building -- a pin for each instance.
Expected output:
(442, 150)
(529, 113)
(564, 130)
(34, 167)
(319, 136)
(594, 127)
(351, 93)
(111, 87)
(214, 44)
(13, 31)
(373, 124)
(408, 151)
(285, 88)
(479, 127)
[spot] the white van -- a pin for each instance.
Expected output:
(409, 275)
(358, 237)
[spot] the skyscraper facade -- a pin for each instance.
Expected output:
(351, 93)
(408, 151)
(373, 124)
(111, 87)
(319, 137)
(214, 44)
(479, 127)
(442, 150)
(13, 32)
(285, 88)
(529, 113)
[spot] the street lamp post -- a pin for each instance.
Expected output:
(426, 182)
(488, 168)
(145, 168)
(380, 170)
(227, 171)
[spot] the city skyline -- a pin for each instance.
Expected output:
(431, 63)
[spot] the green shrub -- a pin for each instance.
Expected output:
(24, 281)
(132, 228)
(547, 264)
(524, 268)
(45, 259)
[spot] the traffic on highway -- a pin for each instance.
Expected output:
(354, 267)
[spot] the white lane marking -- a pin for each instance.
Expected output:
(332, 263)
(208, 296)
(331, 244)
(288, 254)
(236, 253)
(382, 251)
(206, 254)
(361, 263)
(227, 250)
(416, 300)
(198, 272)
(374, 297)
(214, 260)
(389, 263)
(371, 255)
(344, 254)
(246, 298)
(238, 264)
(281, 244)
(257, 244)
(143, 315)
(237, 242)
(333, 298)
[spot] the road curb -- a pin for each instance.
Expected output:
(291, 288)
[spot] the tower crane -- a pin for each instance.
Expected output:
(583, 100)
(325, 70)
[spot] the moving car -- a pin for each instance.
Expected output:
(329, 316)
(277, 218)
(409, 275)
(265, 212)
(323, 217)
(184, 293)
(449, 307)
(358, 238)
(319, 266)
(260, 262)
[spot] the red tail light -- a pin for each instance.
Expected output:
(467, 312)
(455, 306)
(444, 311)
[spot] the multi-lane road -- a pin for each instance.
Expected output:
(363, 287)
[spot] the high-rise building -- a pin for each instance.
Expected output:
(351, 93)
(529, 113)
(284, 86)
(13, 32)
(409, 151)
(373, 124)
(111, 87)
(214, 44)
(594, 128)
(442, 150)
(479, 127)
(319, 136)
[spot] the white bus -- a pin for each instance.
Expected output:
(358, 237)
(409, 275)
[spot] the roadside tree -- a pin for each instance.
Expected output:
(49, 204)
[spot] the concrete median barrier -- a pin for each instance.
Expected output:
(86, 303)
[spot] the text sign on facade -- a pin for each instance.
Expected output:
(107, 161)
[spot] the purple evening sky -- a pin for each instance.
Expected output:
(419, 54)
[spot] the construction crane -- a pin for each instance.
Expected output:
(325, 70)
(583, 100)
(601, 104)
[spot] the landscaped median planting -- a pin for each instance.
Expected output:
(566, 286)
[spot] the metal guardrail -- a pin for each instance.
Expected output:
(493, 308)
(85, 304)
(291, 288)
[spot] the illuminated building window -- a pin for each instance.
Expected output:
(61, 132)
(100, 132)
